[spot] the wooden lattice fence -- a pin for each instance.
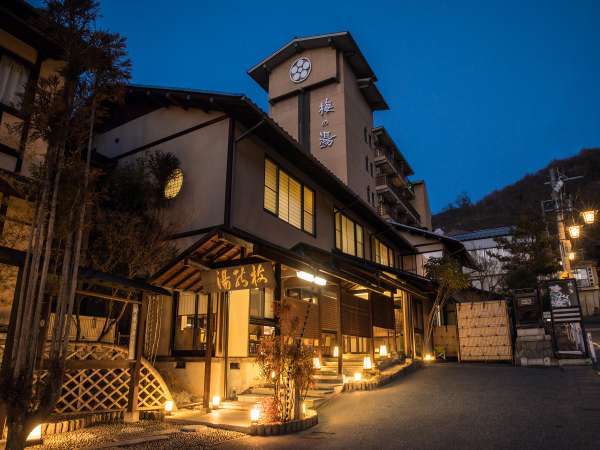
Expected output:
(97, 380)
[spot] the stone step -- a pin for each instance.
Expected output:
(321, 376)
(251, 399)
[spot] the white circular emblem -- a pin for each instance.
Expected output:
(300, 69)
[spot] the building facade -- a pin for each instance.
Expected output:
(296, 195)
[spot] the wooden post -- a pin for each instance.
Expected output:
(208, 355)
(132, 413)
(340, 337)
(372, 339)
(225, 337)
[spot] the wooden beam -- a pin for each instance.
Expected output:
(106, 296)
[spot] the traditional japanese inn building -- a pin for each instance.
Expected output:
(307, 208)
(288, 207)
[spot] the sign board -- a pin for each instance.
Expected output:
(249, 276)
(527, 308)
(561, 299)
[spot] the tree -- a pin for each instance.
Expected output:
(129, 233)
(286, 363)
(528, 254)
(62, 113)
(447, 273)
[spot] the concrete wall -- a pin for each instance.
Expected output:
(248, 200)
(358, 116)
(324, 66)
(421, 204)
(239, 310)
(202, 154)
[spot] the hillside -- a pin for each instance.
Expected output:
(501, 207)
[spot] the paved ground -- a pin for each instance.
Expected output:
(451, 406)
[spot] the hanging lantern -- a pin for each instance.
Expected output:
(589, 216)
(316, 363)
(367, 363)
(336, 351)
(572, 256)
(574, 231)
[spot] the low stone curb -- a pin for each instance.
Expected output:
(369, 385)
(274, 429)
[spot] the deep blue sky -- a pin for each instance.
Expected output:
(480, 92)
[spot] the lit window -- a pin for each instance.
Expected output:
(174, 183)
(381, 253)
(13, 80)
(348, 235)
(288, 199)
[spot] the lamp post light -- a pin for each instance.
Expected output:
(574, 231)
(589, 216)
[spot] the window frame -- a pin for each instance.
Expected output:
(33, 75)
(303, 186)
(391, 255)
(357, 225)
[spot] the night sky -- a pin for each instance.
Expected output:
(480, 92)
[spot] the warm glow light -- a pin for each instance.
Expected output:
(428, 357)
(572, 256)
(336, 351)
(273, 374)
(367, 363)
(383, 350)
(305, 276)
(169, 406)
(174, 183)
(255, 414)
(589, 216)
(320, 281)
(311, 278)
(36, 434)
(574, 231)
(304, 408)
(216, 401)
(357, 376)
(316, 362)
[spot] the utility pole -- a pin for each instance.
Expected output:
(557, 183)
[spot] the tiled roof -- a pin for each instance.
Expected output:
(483, 234)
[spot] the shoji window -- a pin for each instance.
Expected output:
(348, 235)
(288, 199)
(13, 79)
(381, 253)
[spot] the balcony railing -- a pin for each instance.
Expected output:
(385, 160)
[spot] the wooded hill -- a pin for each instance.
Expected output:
(504, 206)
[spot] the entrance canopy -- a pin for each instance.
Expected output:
(220, 248)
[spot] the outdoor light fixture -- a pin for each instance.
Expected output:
(357, 376)
(216, 402)
(35, 436)
(383, 350)
(428, 357)
(336, 351)
(589, 216)
(169, 407)
(255, 414)
(316, 363)
(572, 256)
(311, 278)
(574, 231)
(367, 363)
(273, 374)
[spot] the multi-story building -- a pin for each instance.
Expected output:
(295, 193)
